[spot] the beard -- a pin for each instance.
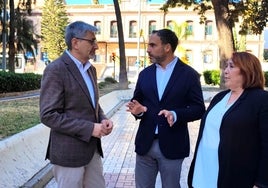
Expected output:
(92, 56)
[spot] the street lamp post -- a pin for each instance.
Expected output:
(139, 27)
(113, 59)
(4, 36)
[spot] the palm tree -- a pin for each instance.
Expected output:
(182, 33)
(17, 23)
(123, 81)
(26, 39)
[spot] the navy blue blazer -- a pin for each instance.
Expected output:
(183, 95)
(243, 147)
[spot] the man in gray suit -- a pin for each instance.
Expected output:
(69, 105)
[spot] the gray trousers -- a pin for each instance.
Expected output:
(87, 176)
(148, 166)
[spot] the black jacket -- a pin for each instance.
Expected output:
(183, 95)
(243, 147)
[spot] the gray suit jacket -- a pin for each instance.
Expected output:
(66, 107)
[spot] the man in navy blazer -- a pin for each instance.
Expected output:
(167, 96)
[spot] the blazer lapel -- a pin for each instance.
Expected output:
(154, 82)
(172, 78)
(93, 76)
(74, 71)
(237, 102)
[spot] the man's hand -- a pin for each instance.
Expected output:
(135, 107)
(107, 126)
(102, 129)
(168, 115)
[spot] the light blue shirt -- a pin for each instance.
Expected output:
(207, 162)
(162, 77)
(84, 72)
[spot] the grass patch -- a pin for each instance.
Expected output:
(21, 114)
(18, 115)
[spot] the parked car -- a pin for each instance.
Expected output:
(20, 63)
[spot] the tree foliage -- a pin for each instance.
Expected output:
(252, 15)
(26, 38)
(54, 21)
(182, 33)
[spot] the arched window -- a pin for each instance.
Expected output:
(208, 56)
(133, 29)
(152, 26)
(190, 27)
(113, 29)
(170, 25)
(208, 28)
(97, 24)
(189, 56)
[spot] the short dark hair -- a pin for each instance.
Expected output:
(167, 37)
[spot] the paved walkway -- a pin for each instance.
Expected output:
(119, 155)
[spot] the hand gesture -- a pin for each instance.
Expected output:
(168, 115)
(135, 107)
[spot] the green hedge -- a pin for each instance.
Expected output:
(108, 80)
(266, 78)
(15, 82)
(212, 77)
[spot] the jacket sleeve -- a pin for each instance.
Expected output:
(262, 177)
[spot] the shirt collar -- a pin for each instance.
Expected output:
(79, 65)
(170, 65)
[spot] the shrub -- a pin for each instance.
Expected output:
(107, 81)
(16, 82)
(266, 78)
(110, 80)
(101, 85)
(212, 77)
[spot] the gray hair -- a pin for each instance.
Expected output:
(77, 29)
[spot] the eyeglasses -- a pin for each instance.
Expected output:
(92, 42)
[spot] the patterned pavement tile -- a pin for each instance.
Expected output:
(119, 155)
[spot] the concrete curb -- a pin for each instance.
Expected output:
(110, 104)
(41, 178)
(23, 154)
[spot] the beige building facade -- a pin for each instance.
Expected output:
(200, 48)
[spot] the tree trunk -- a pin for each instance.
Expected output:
(123, 80)
(11, 38)
(226, 40)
